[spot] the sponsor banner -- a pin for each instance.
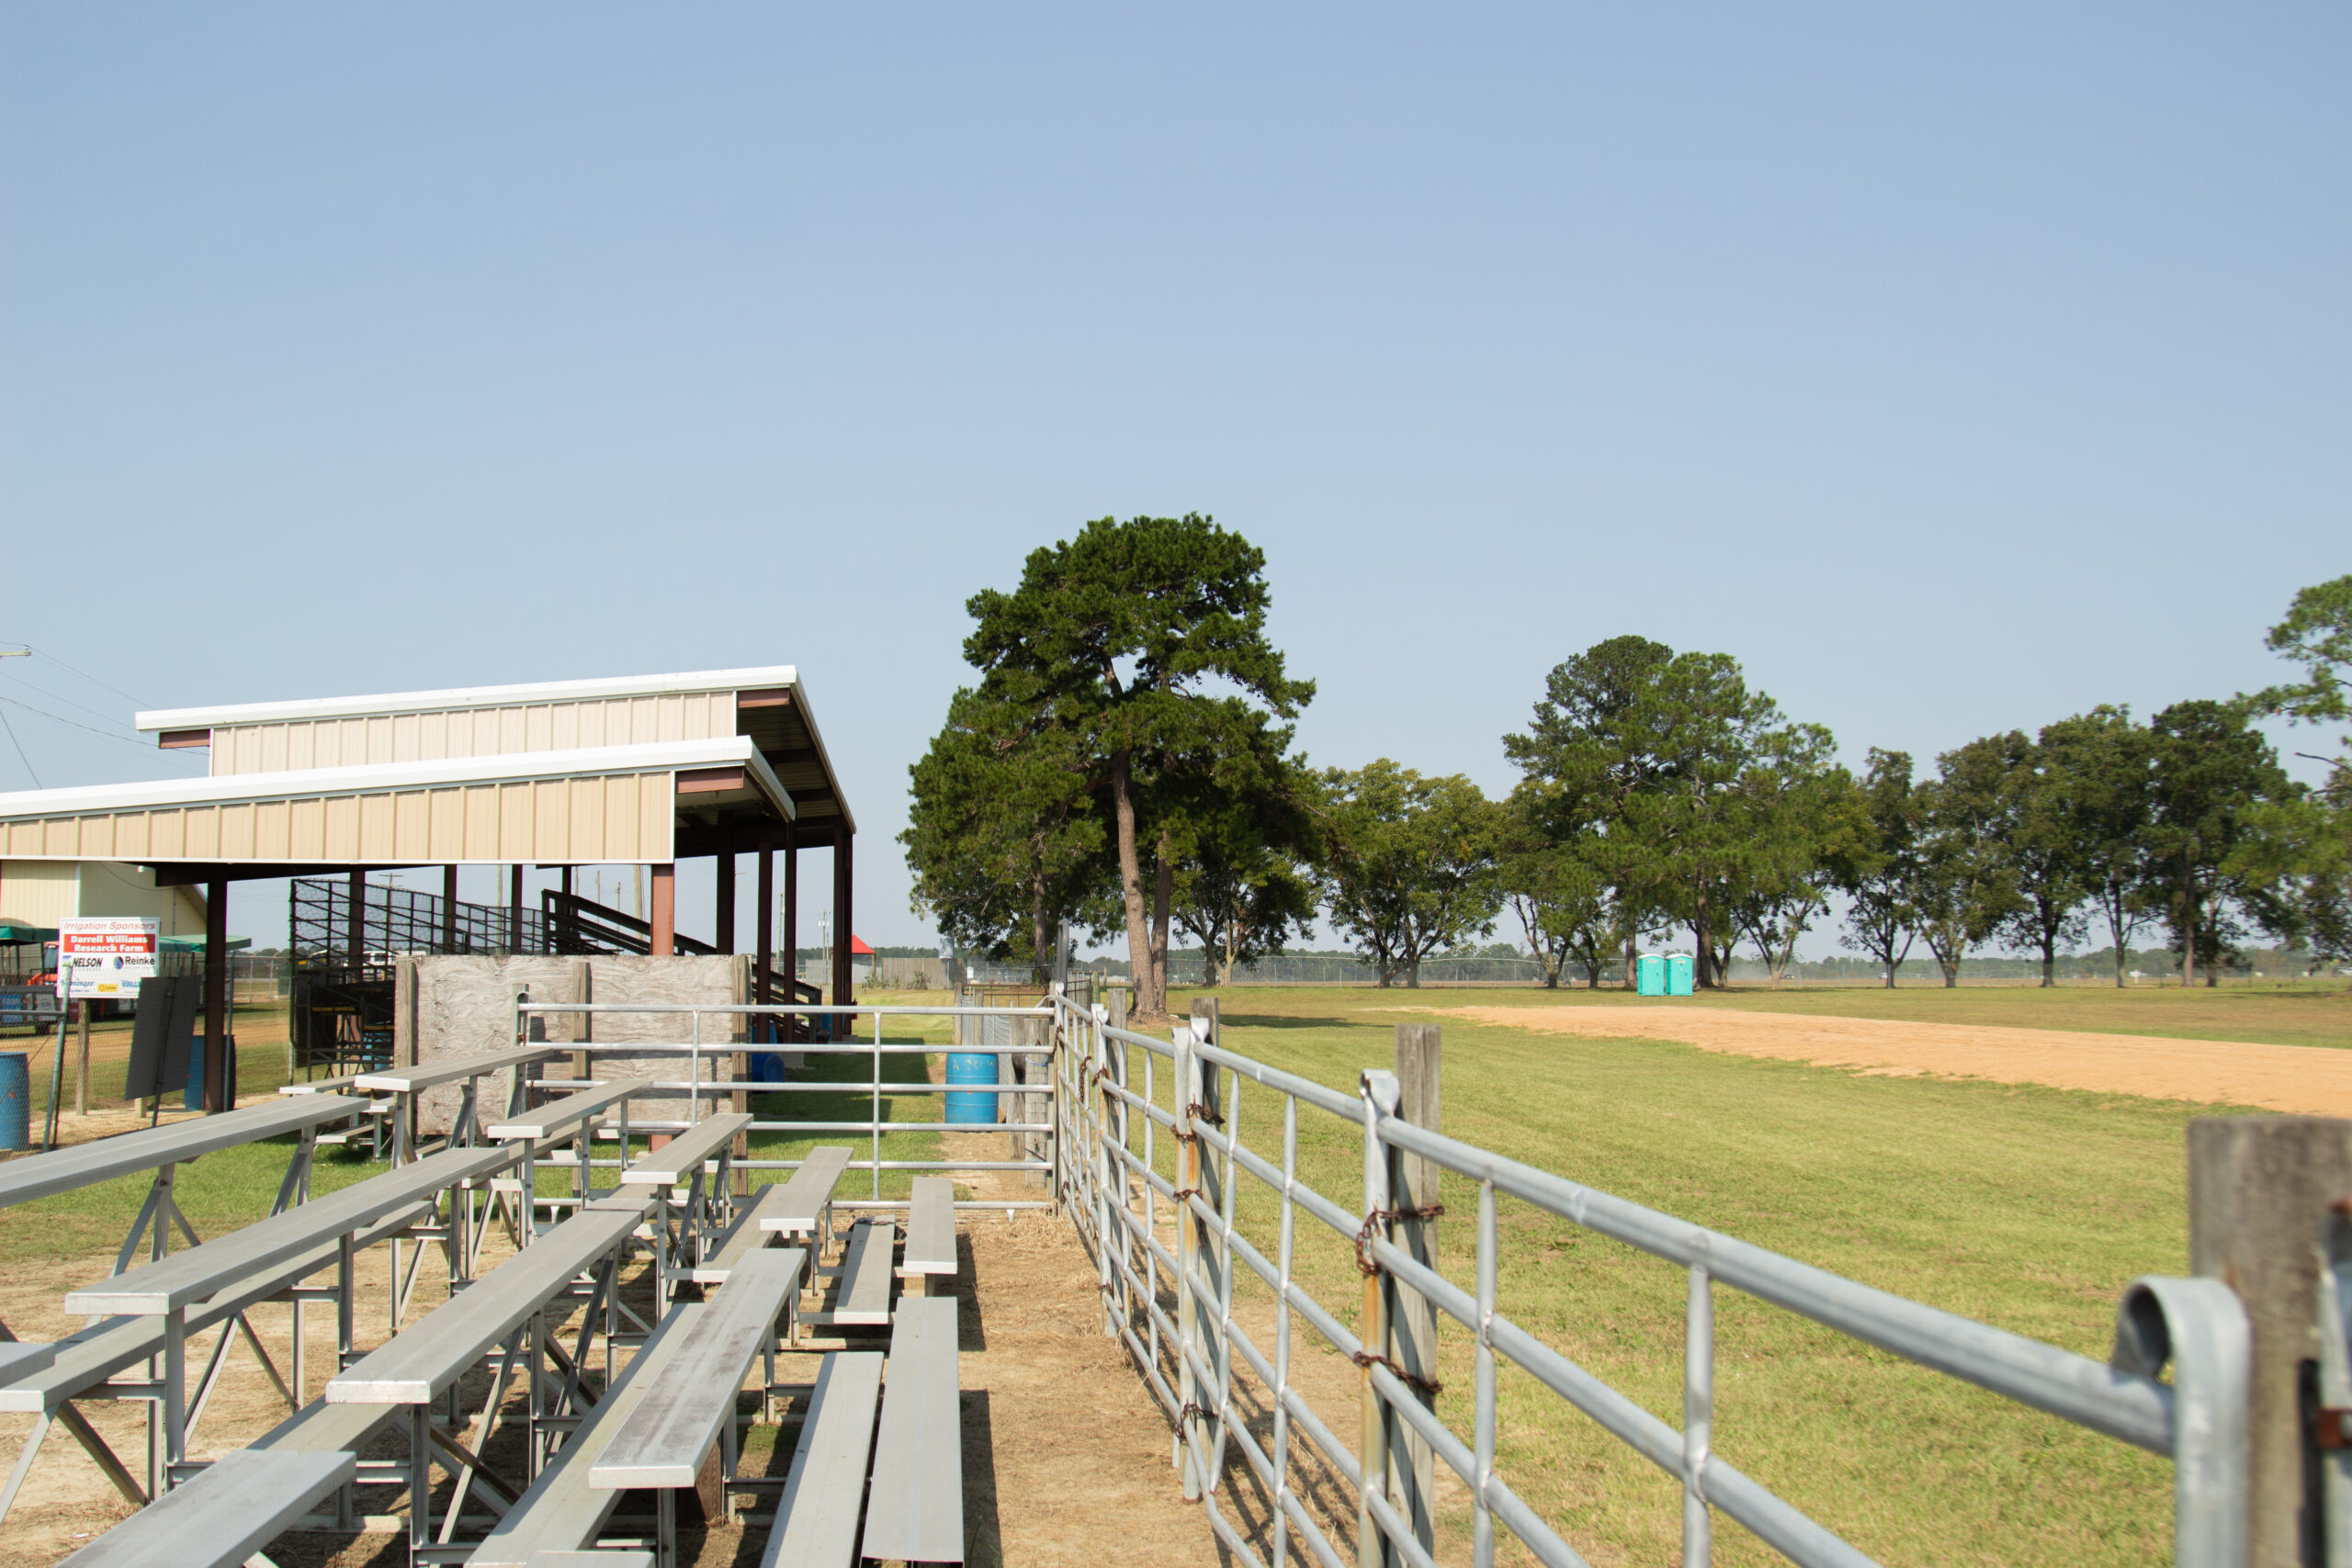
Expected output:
(105, 957)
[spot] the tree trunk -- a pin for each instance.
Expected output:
(2112, 904)
(1702, 940)
(1163, 895)
(2188, 922)
(2049, 958)
(1038, 938)
(1123, 816)
(1631, 937)
(1413, 973)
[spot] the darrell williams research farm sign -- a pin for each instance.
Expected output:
(105, 959)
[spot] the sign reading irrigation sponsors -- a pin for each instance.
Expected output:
(105, 957)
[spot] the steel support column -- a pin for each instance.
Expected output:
(663, 916)
(724, 921)
(841, 921)
(220, 1089)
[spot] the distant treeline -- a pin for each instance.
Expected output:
(1124, 765)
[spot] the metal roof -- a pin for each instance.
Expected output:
(506, 767)
(765, 677)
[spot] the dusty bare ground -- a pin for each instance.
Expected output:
(2301, 1079)
(1065, 1455)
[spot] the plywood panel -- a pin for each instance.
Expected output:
(343, 827)
(481, 822)
(167, 834)
(447, 841)
(271, 839)
(306, 829)
(237, 831)
(586, 815)
(203, 832)
(550, 821)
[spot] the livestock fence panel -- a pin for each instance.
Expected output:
(1150, 1131)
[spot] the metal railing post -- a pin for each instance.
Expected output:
(1697, 1416)
(1482, 1521)
(1378, 1091)
(1188, 1311)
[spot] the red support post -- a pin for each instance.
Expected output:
(664, 913)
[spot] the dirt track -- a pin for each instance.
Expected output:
(2311, 1080)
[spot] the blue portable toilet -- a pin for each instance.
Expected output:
(1678, 974)
(1649, 975)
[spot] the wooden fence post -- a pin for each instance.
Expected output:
(2258, 1189)
(1420, 1060)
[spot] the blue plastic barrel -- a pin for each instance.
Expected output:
(767, 1066)
(972, 1068)
(15, 1101)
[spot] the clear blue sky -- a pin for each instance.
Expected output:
(1955, 367)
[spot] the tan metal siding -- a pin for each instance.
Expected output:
(39, 892)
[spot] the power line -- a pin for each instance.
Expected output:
(59, 696)
(19, 745)
(61, 718)
(118, 691)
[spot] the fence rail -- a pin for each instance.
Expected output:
(1119, 1092)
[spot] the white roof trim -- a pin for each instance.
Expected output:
(761, 678)
(507, 767)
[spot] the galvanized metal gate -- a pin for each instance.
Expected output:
(1119, 1093)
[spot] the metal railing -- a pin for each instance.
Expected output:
(1117, 1092)
(702, 1085)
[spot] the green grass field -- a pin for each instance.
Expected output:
(223, 1190)
(2027, 1208)
(2024, 1207)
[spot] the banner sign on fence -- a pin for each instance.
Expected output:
(105, 957)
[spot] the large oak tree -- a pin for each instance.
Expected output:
(1144, 642)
